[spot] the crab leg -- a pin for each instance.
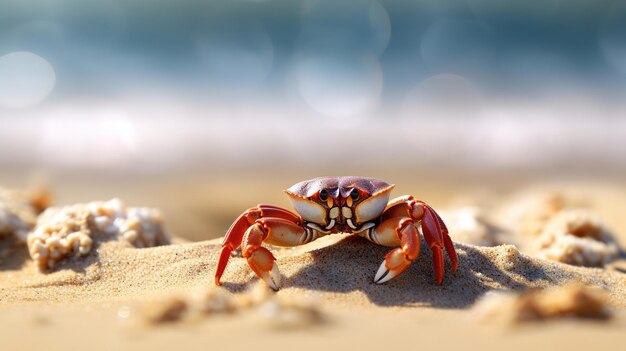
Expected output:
(434, 230)
(235, 233)
(434, 238)
(447, 242)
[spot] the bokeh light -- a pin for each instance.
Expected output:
(25, 79)
(340, 87)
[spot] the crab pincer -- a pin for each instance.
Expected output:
(400, 220)
(248, 232)
(398, 260)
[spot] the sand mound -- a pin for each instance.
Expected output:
(275, 310)
(339, 269)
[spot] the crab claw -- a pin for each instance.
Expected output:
(234, 236)
(264, 265)
(395, 263)
(398, 260)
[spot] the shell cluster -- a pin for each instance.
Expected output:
(577, 237)
(572, 300)
(554, 228)
(70, 231)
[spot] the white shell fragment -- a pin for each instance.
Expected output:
(70, 231)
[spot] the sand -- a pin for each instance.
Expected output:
(100, 301)
(336, 272)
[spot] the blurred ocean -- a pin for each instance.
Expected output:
(448, 84)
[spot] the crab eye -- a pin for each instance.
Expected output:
(323, 194)
(354, 194)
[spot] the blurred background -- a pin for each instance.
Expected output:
(204, 108)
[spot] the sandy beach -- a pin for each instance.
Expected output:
(129, 298)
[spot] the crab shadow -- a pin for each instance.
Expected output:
(350, 265)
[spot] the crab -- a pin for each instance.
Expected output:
(331, 205)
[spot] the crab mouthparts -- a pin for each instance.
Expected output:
(341, 216)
